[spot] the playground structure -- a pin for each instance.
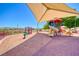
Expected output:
(26, 32)
(51, 11)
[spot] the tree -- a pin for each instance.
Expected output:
(46, 26)
(77, 22)
(69, 21)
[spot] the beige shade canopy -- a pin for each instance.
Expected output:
(48, 11)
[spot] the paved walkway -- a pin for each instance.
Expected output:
(1, 37)
(43, 45)
(11, 41)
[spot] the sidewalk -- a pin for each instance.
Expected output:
(12, 41)
(74, 34)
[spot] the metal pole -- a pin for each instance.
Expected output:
(17, 26)
(37, 27)
(75, 23)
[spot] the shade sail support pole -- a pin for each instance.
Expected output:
(37, 27)
(75, 24)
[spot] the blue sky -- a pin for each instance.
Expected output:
(13, 14)
(74, 6)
